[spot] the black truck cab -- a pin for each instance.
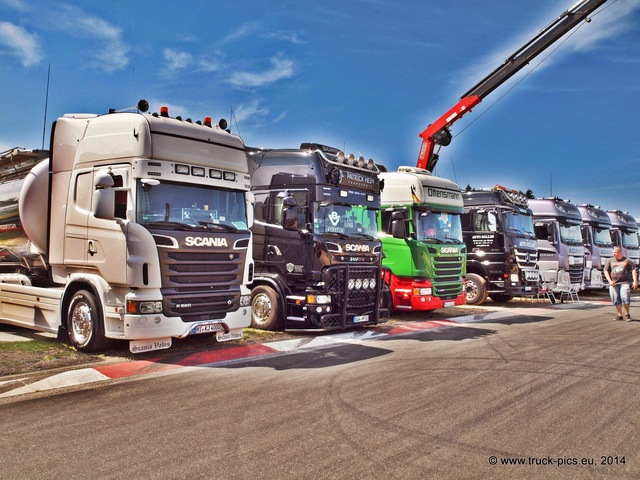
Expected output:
(315, 240)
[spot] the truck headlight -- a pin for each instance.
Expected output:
(245, 300)
(319, 299)
(422, 291)
(514, 278)
(144, 307)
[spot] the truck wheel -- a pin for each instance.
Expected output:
(265, 309)
(84, 323)
(386, 301)
(500, 297)
(476, 289)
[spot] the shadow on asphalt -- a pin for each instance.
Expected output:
(339, 354)
(519, 320)
(448, 333)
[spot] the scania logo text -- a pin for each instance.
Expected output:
(354, 247)
(448, 250)
(205, 242)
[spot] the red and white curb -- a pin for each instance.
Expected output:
(231, 354)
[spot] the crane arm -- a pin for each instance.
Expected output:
(438, 132)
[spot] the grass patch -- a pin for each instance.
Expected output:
(34, 346)
(38, 355)
(253, 335)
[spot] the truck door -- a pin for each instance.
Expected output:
(78, 211)
(287, 247)
(106, 246)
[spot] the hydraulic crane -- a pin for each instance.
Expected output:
(438, 132)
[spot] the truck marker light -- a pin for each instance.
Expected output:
(182, 169)
(207, 121)
(164, 111)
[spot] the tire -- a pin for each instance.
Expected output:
(476, 289)
(265, 309)
(500, 297)
(84, 323)
(386, 301)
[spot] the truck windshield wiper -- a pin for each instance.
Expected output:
(338, 234)
(178, 225)
(363, 235)
(224, 226)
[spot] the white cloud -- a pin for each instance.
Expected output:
(251, 110)
(243, 31)
(22, 44)
(177, 60)
(112, 55)
(281, 68)
(287, 37)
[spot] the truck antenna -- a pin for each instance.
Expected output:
(46, 106)
(232, 117)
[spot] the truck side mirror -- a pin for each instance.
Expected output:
(250, 200)
(398, 225)
(289, 213)
(104, 198)
(290, 219)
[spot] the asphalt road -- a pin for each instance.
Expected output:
(550, 395)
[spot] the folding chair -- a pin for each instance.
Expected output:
(569, 292)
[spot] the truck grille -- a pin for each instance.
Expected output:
(447, 282)
(201, 285)
(576, 274)
(526, 259)
(355, 291)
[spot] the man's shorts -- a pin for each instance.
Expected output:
(620, 294)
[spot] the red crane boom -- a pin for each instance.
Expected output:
(438, 132)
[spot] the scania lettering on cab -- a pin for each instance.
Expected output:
(132, 227)
(422, 239)
(502, 252)
(596, 236)
(316, 246)
(557, 223)
(624, 234)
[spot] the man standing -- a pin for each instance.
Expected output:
(621, 272)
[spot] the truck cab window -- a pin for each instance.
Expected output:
(83, 191)
(121, 198)
(485, 222)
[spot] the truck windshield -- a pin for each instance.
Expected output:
(570, 234)
(602, 237)
(518, 223)
(178, 205)
(630, 240)
(347, 220)
(438, 227)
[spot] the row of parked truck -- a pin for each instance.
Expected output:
(143, 227)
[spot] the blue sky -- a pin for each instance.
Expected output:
(363, 75)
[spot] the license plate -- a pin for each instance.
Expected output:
(449, 304)
(527, 289)
(206, 328)
(225, 337)
(141, 346)
(360, 318)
